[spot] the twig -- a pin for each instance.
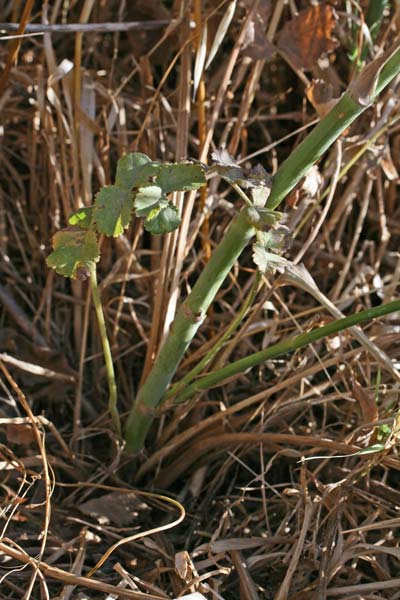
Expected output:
(60, 575)
(87, 27)
(14, 45)
(47, 471)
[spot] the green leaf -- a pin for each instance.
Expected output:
(274, 238)
(163, 218)
(267, 261)
(82, 217)
(128, 168)
(180, 177)
(269, 217)
(146, 199)
(113, 210)
(370, 450)
(136, 170)
(73, 248)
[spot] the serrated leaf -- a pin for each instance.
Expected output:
(274, 238)
(223, 158)
(260, 257)
(146, 199)
(82, 217)
(231, 174)
(163, 219)
(267, 261)
(156, 208)
(73, 248)
(128, 168)
(113, 210)
(225, 165)
(180, 177)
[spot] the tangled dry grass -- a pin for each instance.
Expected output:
(261, 523)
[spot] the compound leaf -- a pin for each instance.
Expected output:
(73, 248)
(163, 218)
(82, 217)
(128, 169)
(113, 210)
(180, 177)
(146, 199)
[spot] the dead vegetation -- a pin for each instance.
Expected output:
(260, 522)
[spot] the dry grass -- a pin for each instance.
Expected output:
(260, 523)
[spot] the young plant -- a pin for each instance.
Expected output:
(141, 187)
(360, 94)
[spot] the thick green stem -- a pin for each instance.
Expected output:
(304, 339)
(112, 386)
(182, 383)
(193, 309)
(187, 321)
(323, 135)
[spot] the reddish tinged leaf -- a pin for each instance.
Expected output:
(73, 248)
(305, 38)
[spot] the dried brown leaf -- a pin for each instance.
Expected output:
(388, 166)
(118, 508)
(367, 403)
(309, 35)
(20, 433)
(320, 95)
(256, 44)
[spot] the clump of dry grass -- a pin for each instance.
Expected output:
(260, 523)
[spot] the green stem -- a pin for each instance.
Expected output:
(323, 135)
(112, 386)
(194, 308)
(187, 321)
(304, 339)
(373, 20)
(179, 385)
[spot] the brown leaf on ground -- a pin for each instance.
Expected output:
(308, 36)
(117, 508)
(20, 433)
(367, 403)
